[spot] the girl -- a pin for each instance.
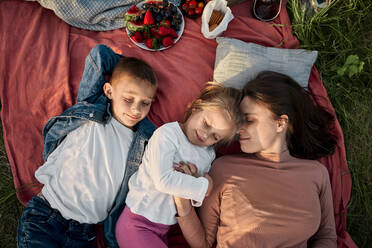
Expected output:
(274, 194)
(209, 120)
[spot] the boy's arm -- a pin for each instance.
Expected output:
(100, 62)
(160, 154)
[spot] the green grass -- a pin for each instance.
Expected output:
(342, 30)
(10, 208)
(345, 29)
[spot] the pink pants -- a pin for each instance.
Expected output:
(135, 231)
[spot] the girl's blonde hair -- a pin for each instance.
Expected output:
(217, 96)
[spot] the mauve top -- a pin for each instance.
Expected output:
(264, 201)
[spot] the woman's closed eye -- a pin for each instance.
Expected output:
(145, 103)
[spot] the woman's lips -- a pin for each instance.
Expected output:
(244, 138)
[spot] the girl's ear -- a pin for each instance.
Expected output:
(282, 123)
(107, 89)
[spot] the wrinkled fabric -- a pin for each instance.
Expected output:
(94, 15)
(42, 60)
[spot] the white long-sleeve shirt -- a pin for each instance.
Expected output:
(152, 187)
(83, 174)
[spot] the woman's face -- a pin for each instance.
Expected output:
(259, 131)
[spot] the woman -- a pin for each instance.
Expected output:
(274, 194)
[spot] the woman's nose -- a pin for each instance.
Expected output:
(241, 129)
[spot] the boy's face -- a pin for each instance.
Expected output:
(131, 99)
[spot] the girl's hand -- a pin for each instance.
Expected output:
(189, 169)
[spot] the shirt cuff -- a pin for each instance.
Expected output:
(204, 188)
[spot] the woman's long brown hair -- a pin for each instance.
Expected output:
(309, 133)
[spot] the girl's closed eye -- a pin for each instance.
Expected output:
(145, 103)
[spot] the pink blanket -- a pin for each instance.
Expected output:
(41, 63)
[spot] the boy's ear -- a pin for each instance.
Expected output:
(107, 89)
(282, 123)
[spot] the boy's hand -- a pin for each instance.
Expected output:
(210, 184)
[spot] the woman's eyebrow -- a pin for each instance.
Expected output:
(249, 114)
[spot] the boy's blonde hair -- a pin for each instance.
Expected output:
(217, 96)
(136, 68)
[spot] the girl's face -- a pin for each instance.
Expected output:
(207, 126)
(259, 132)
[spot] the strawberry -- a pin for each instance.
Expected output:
(137, 37)
(198, 10)
(165, 23)
(152, 43)
(149, 19)
(133, 9)
(191, 12)
(167, 41)
(173, 33)
(154, 32)
(185, 6)
(163, 31)
(193, 4)
(146, 34)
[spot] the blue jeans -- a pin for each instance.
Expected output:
(42, 226)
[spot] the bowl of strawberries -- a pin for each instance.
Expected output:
(154, 25)
(192, 8)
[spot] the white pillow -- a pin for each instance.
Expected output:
(237, 62)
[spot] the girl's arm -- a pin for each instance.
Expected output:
(160, 154)
(326, 235)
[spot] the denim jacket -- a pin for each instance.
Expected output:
(93, 105)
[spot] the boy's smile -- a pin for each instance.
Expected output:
(131, 99)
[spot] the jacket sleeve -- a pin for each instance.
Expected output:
(326, 235)
(100, 62)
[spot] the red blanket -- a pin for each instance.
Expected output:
(41, 63)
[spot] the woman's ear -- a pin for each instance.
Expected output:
(282, 123)
(107, 89)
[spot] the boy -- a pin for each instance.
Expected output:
(90, 155)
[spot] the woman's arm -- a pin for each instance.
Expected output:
(326, 235)
(199, 233)
(192, 229)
